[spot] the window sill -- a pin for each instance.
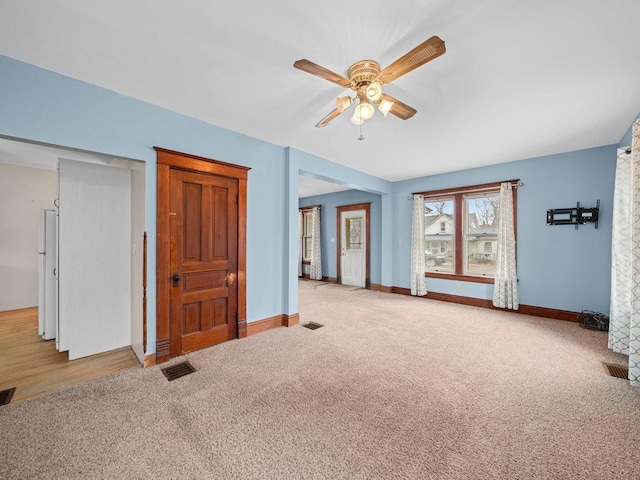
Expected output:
(460, 278)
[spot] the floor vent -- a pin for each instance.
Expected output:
(6, 396)
(178, 370)
(617, 371)
(312, 325)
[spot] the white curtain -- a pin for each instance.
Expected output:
(624, 316)
(300, 245)
(316, 249)
(505, 291)
(418, 267)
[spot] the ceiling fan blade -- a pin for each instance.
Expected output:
(315, 69)
(423, 53)
(325, 121)
(399, 109)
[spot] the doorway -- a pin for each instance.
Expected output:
(32, 168)
(353, 232)
(201, 253)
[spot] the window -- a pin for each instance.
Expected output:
(439, 228)
(461, 232)
(307, 225)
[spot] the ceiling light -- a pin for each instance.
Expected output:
(357, 121)
(385, 106)
(374, 91)
(364, 110)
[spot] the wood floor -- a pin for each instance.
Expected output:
(35, 367)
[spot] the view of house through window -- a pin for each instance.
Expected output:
(439, 230)
(481, 233)
(461, 230)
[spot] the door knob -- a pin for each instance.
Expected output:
(176, 279)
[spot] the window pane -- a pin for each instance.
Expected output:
(439, 231)
(481, 233)
(308, 224)
(307, 248)
(353, 234)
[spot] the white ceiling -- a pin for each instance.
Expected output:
(519, 79)
(43, 156)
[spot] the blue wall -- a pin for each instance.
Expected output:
(42, 106)
(329, 223)
(558, 266)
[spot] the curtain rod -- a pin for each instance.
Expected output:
(479, 188)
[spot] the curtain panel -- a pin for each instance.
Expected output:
(418, 266)
(316, 246)
(505, 290)
(624, 315)
(300, 245)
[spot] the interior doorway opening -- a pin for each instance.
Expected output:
(31, 164)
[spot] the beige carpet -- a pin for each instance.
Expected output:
(390, 387)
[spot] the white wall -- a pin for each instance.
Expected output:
(23, 193)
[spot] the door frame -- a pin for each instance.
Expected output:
(347, 208)
(166, 160)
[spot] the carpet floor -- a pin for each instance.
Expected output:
(390, 387)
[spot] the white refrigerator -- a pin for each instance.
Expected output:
(47, 265)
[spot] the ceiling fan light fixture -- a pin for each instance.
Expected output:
(385, 106)
(342, 103)
(364, 111)
(356, 121)
(374, 91)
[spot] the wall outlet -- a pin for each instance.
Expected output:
(399, 241)
(459, 288)
(332, 240)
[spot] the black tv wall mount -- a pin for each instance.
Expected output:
(574, 216)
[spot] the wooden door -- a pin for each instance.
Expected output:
(201, 253)
(204, 260)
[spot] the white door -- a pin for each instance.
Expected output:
(42, 284)
(353, 261)
(48, 299)
(94, 258)
(50, 263)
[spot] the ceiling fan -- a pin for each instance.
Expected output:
(366, 79)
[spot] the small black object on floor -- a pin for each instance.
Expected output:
(6, 396)
(312, 325)
(178, 370)
(593, 320)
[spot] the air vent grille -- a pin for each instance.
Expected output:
(6, 396)
(617, 371)
(178, 370)
(312, 325)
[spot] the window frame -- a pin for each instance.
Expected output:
(305, 211)
(459, 210)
